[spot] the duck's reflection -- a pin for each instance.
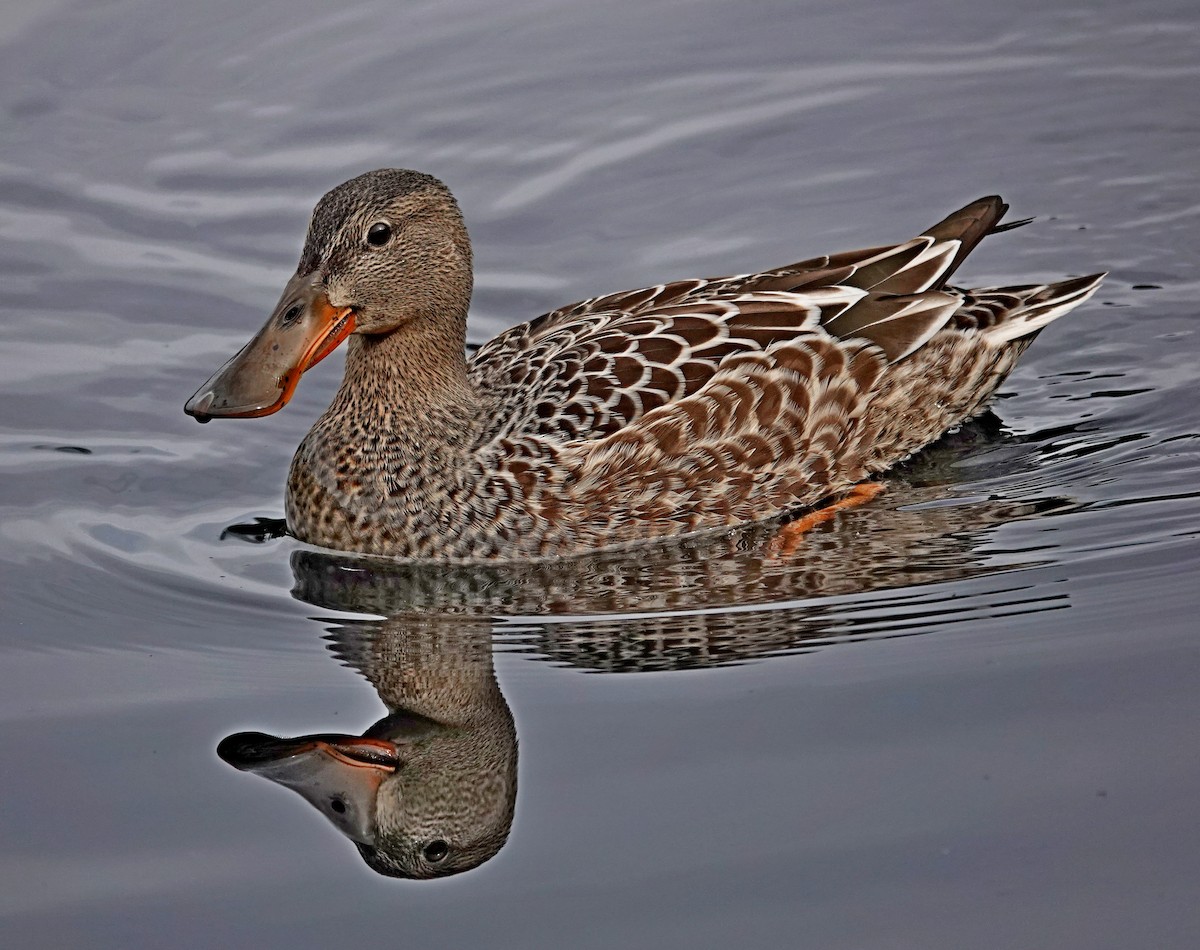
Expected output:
(430, 789)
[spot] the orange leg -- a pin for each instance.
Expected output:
(787, 539)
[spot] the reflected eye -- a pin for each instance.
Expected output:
(379, 234)
(338, 805)
(436, 851)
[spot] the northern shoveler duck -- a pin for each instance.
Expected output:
(688, 406)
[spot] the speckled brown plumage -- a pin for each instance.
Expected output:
(686, 407)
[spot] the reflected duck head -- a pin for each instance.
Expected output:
(429, 801)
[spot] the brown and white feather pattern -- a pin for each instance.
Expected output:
(702, 404)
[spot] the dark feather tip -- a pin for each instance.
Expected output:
(1009, 225)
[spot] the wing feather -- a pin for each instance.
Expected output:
(590, 370)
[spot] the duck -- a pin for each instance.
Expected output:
(622, 420)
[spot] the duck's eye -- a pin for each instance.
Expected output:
(436, 851)
(338, 805)
(379, 234)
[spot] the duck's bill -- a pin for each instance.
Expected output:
(260, 379)
(259, 752)
(339, 775)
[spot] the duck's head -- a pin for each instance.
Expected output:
(426, 804)
(384, 251)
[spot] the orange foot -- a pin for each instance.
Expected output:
(787, 539)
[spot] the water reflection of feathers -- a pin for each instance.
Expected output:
(705, 602)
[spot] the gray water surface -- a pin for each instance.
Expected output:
(964, 715)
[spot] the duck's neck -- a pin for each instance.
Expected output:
(386, 468)
(438, 667)
(413, 381)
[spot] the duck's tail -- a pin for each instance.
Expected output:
(961, 231)
(1010, 313)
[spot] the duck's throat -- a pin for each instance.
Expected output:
(384, 467)
(417, 369)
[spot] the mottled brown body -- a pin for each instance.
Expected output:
(685, 407)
